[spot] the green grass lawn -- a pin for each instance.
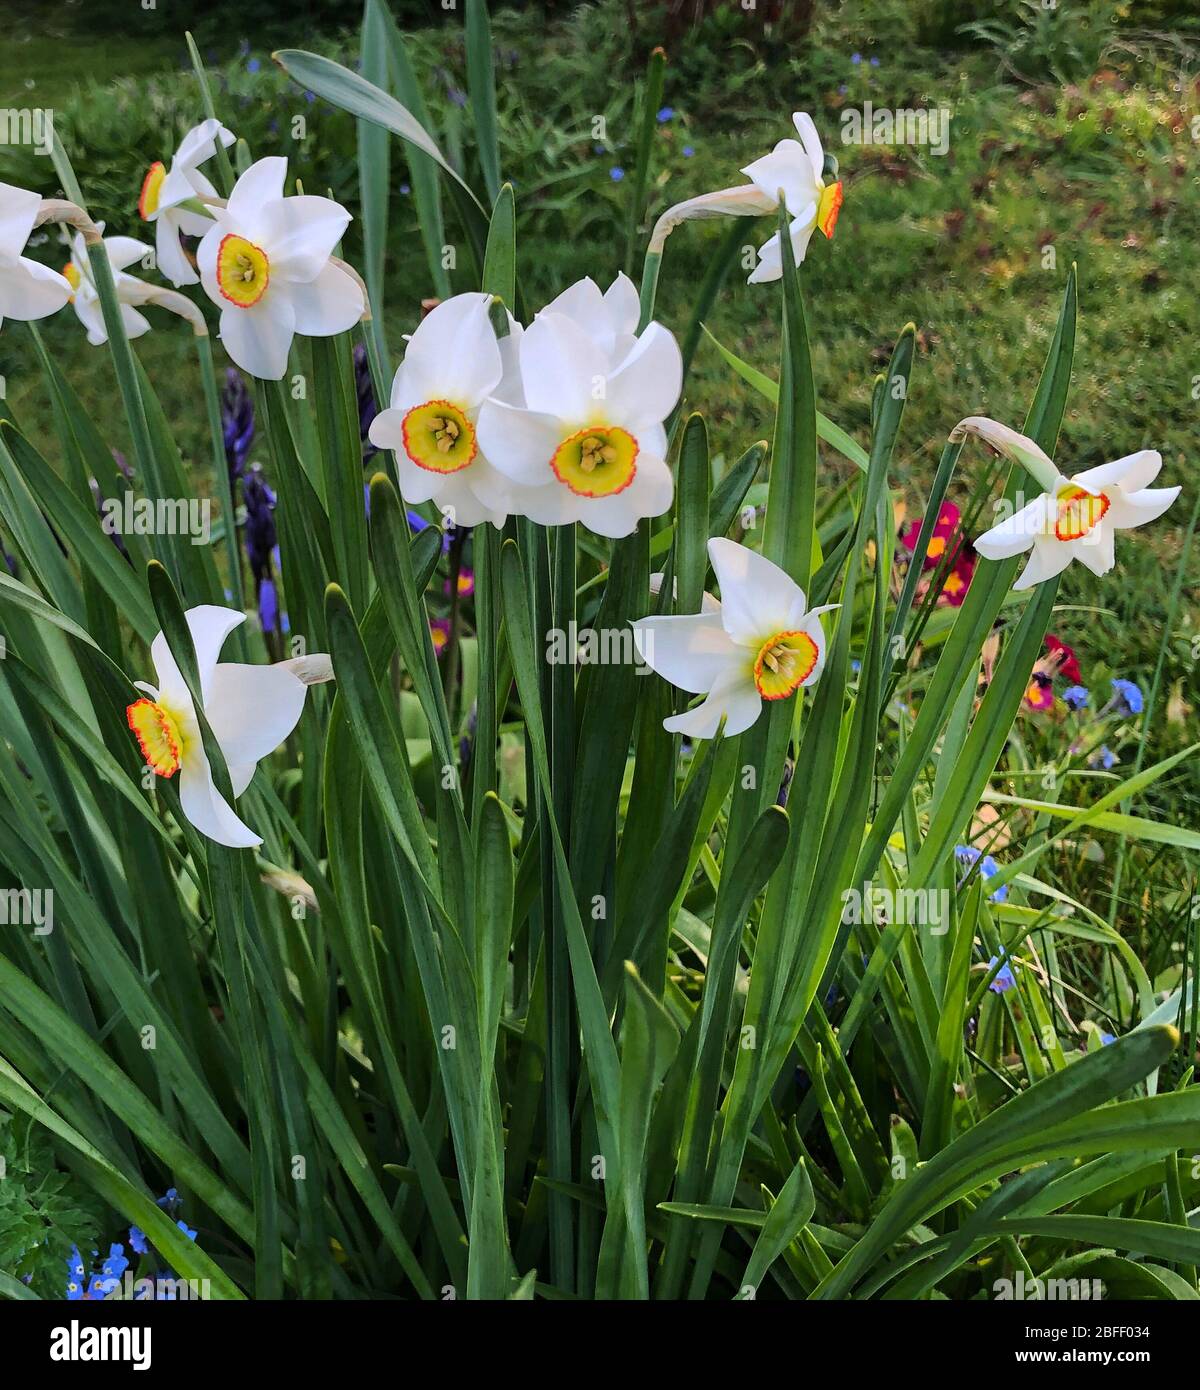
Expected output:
(973, 246)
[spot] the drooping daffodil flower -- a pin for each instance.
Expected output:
(1074, 518)
(250, 709)
(27, 290)
(795, 169)
(761, 642)
(268, 265)
(583, 434)
(166, 191)
(122, 251)
(451, 365)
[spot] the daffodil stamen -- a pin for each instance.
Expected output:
(151, 188)
(157, 732)
(784, 662)
(1077, 511)
(438, 436)
(243, 271)
(596, 462)
(72, 276)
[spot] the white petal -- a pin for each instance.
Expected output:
(18, 211)
(171, 260)
(417, 484)
(209, 625)
(255, 190)
(757, 598)
(734, 695)
(135, 324)
(206, 258)
(786, 168)
(31, 291)
(811, 142)
(548, 506)
(1129, 509)
(125, 251)
(647, 385)
(624, 305)
(1017, 532)
(200, 144)
(1133, 472)
(584, 305)
(252, 709)
(650, 494)
(690, 651)
(453, 355)
(520, 442)
(564, 371)
(88, 312)
(208, 810)
(770, 263)
(258, 339)
(1097, 550)
(329, 304)
(299, 235)
(1050, 557)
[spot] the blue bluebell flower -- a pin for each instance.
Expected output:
(1106, 1038)
(688, 151)
(1076, 697)
(137, 1241)
(665, 113)
(253, 65)
(186, 1229)
(1128, 696)
(261, 544)
(237, 422)
(616, 173)
(1103, 757)
(856, 58)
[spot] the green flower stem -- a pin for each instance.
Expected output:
(224, 488)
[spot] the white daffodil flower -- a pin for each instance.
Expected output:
(451, 365)
(250, 709)
(795, 168)
(166, 191)
(583, 434)
(122, 251)
(1075, 518)
(761, 642)
(267, 264)
(27, 290)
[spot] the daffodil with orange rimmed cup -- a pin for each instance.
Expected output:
(795, 170)
(1074, 518)
(451, 365)
(587, 441)
(174, 198)
(268, 264)
(250, 709)
(760, 642)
